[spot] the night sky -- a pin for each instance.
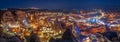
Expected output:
(60, 4)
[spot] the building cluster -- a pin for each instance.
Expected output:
(60, 25)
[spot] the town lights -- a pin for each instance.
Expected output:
(13, 26)
(87, 40)
(34, 25)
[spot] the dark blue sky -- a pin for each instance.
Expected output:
(60, 4)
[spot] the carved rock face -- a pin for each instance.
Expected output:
(8, 17)
(20, 14)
